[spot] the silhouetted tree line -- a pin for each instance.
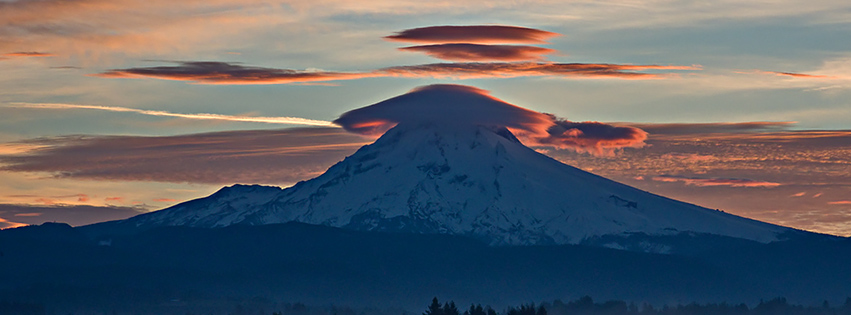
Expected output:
(586, 306)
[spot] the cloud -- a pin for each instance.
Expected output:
(226, 73)
(840, 202)
(28, 54)
(589, 136)
(281, 156)
(482, 34)
(705, 182)
(14, 215)
(710, 128)
(466, 105)
(202, 116)
(212, 72)
(478, 52)
(531, 69)
(797, 75)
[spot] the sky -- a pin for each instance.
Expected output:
(110, 108)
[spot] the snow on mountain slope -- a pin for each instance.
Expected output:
(429, 177)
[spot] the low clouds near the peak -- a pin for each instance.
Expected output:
(459, 104)
(591, 136)
(481, 34)
(479, 52)
(206, 72)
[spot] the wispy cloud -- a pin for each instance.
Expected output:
(473, 34)
(202, 116)
(479, 52)
(704, 182)
(796, 75)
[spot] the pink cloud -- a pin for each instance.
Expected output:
(482, 34)
(478, 52)
(706, 182)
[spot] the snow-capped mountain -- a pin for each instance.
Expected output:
(429, 177)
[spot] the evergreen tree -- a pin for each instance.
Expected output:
(434, 308)
(450, 308)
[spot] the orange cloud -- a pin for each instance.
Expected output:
(482, 34)
(705, 182)
(119, 199)
(478, 52)
(840, 202)
(165, 200)
(28, 214)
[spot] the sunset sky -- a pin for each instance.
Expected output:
(110, 108)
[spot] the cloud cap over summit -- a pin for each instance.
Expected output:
(466, 105)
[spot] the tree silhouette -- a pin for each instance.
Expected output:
(434, 308)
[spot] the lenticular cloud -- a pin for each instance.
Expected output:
(466, 105)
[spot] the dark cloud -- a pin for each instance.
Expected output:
(699, 181)
(472, 34)
(206, 72)
(479, 52)
(12, 215)
(459, 104)
(257, 156)
(211, 72)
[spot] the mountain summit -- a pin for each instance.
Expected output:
(459, 176)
